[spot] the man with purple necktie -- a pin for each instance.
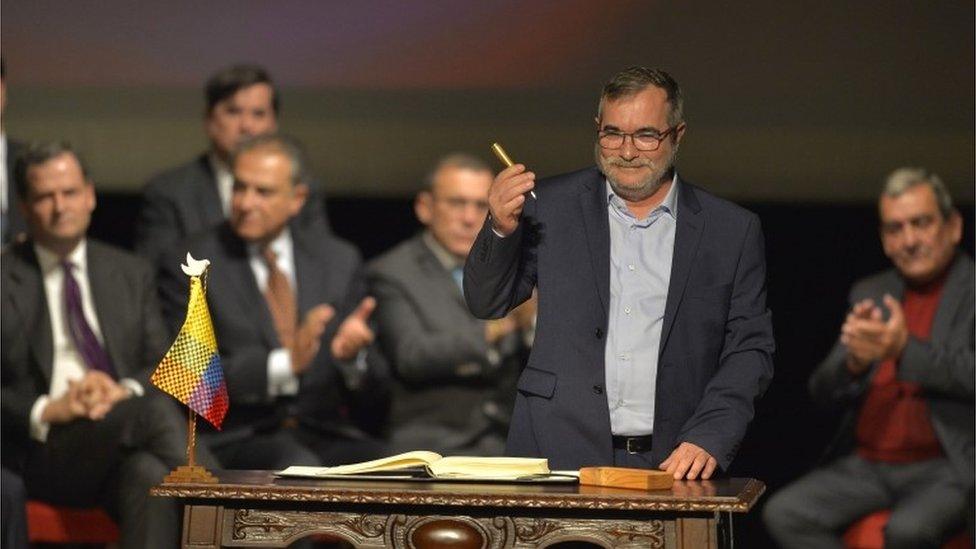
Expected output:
(80, 333)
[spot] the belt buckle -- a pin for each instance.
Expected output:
(629, 449)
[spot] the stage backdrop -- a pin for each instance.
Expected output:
(786, 101)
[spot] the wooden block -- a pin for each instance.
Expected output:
(622, 477)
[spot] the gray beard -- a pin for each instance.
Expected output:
(648, 186)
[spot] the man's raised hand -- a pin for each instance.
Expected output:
(354, 332)
(506, 198)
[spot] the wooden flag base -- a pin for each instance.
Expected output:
(622, 477)
(190, 474)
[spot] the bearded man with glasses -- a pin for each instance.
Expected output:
(653, 340)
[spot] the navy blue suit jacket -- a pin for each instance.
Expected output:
(716, 340)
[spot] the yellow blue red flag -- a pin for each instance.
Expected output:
(191, 370)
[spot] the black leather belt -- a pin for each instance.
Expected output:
(633, 445)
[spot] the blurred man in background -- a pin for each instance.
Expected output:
(289, 309)
(903, 367)
(455, 374)
(241, 102)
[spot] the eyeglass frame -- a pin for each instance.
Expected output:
(456, 204)
(601, 133)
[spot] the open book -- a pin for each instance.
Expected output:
(423, 464)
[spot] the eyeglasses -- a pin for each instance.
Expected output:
(457, 204)
(644, 140)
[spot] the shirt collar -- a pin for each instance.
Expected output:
(282, 246)
(218, 166)
(49, 260)
(669, 204)
(444, 257)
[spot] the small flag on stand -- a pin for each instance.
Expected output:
(191, 370)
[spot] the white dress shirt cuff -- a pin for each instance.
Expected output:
(281, 380)
(354, 370)
(38, 428)
(133, 386)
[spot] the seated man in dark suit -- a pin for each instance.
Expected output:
(81, 334)
(241, 101)
(290, 313)
(903, 368)
(438, 351)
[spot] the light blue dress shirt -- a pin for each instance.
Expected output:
(640, 271)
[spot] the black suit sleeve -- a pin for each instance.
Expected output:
(500, 273)
(946, 368)
(19, 388)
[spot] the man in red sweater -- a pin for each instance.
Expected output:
(903, 366)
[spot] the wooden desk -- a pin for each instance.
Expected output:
(255, 509)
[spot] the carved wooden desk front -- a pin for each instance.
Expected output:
(255, 509)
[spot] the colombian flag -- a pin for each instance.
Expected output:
(191, 370)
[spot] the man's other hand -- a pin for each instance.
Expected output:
(354, 332)
(690, 462)
(99, 393)
(507, 197)
(67, 407)
(308, 337)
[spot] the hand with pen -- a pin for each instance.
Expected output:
(508, 193)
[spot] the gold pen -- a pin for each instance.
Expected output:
(504, 158)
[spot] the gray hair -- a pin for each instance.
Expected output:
(283, 144)
(457, 160)
(636, 79)
(38, 153)
(903, 179)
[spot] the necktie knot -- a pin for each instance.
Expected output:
(270, 257)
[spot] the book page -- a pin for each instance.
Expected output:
(392, 463)
(488, 467)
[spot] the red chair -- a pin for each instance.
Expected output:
(48, 523)
(868, 533)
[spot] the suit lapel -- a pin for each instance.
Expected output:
(104, 281)
(207, 196)
(310, 276)
(687, 236)
(434, 273)
(30, 300)
(596, 226)
(241, 281)
(957, 285)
